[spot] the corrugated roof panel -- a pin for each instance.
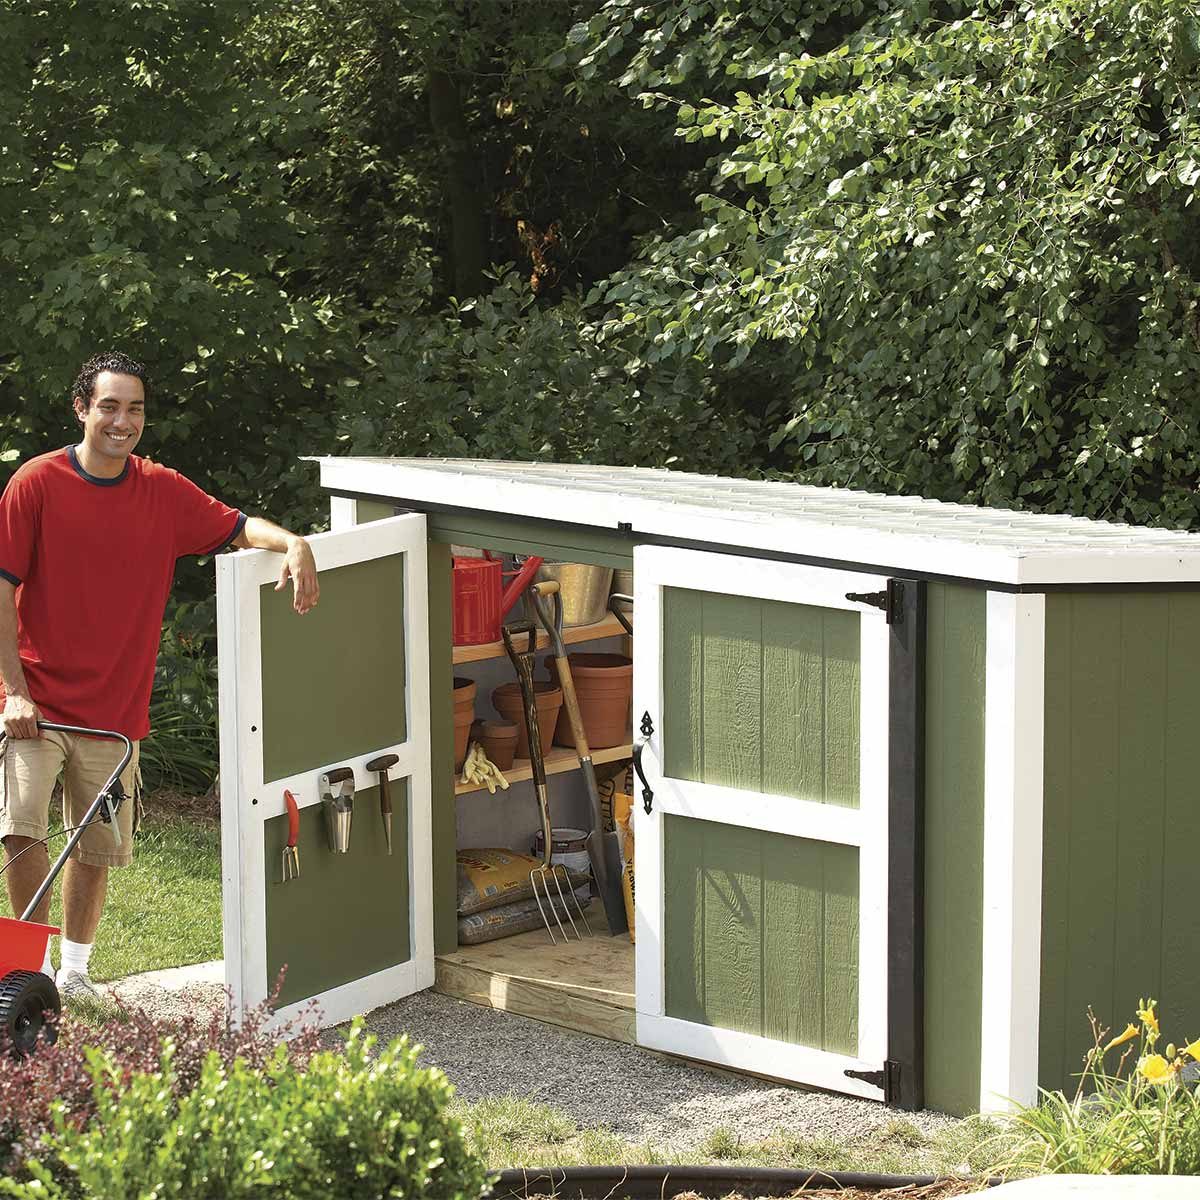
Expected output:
(838, 524)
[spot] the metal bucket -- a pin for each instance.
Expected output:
(584, 590)
(568, 849)
(622, 585)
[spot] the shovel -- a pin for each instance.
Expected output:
(604, 847)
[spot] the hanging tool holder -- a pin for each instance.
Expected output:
(337, 796)
(380, 766)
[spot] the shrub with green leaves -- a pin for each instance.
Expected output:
(353, 1124)
(57, 1085)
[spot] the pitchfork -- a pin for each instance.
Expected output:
(546, 879)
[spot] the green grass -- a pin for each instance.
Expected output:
(165, 909)
(514, 1132)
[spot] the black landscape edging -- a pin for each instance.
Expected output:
(656, 1183)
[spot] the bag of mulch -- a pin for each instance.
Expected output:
(623, 811)
(509, 919)
(609, 780)
(490, 877)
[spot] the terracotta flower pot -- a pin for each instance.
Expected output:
(604, 688)
(562, 727)
(499, 740)
(548, 698)
(464, 714)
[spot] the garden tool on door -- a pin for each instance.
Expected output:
(291, 852)
(337, 792)
(545, 880)
(604, 846)
(381, 765)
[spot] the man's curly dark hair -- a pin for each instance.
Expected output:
(106, 360)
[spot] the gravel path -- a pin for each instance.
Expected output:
(640, 1096)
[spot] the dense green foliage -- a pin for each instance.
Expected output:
(350, 1123)
(972, 238)
(940, 248)
(58, 1085)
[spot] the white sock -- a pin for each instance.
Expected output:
(47, 965)
(75, 956)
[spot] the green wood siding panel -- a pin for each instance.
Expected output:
(326, 696)
(683, 918)
(528, 535)
(373, 510)
(956, 631)
(731, 703)
(683, 683)
(733, 930)
(1181, 820)
(761, 695)
(324, 945)
(1120, 901)
(761, 933)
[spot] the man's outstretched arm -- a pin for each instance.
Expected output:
(298, 564)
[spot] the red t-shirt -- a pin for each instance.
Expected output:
(93, 560)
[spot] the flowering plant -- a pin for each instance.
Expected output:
(1139, 1114)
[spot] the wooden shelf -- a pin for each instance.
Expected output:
(560, 758)
(609, 627)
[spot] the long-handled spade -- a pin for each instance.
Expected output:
(547, 878)
(604, 847)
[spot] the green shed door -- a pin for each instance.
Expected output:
(342, 685)
(761, 693)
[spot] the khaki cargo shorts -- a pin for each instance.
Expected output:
(27, 777)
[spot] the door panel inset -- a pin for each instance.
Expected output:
(762, 696)
(347, 647)
(761, 933)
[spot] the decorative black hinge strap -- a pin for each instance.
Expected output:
(887, 1080)
(891, 600)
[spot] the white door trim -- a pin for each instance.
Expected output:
(656, 568)
(762, 1056)
(1012, 849)
(239, 579)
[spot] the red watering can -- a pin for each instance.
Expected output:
(480, 598)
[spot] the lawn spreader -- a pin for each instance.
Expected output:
(29, 1000)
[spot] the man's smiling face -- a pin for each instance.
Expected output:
(113, 422)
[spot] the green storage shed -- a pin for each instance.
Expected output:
(919, 780)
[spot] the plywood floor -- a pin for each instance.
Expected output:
(585, 985)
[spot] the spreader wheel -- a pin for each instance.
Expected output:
(29, 1005)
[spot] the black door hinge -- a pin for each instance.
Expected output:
(887, 1080)
(891, 600)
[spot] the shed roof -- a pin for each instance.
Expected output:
(900, 533)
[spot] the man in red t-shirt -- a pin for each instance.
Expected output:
(89, 536)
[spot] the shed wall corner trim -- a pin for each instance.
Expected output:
(343, 513)
(1012, 849)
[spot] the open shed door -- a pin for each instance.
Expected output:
(300, 696)
(761, 700)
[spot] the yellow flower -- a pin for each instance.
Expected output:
(1193, 1049)
(1147, 1018)
(1155, 1069)
(1131, 1031)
